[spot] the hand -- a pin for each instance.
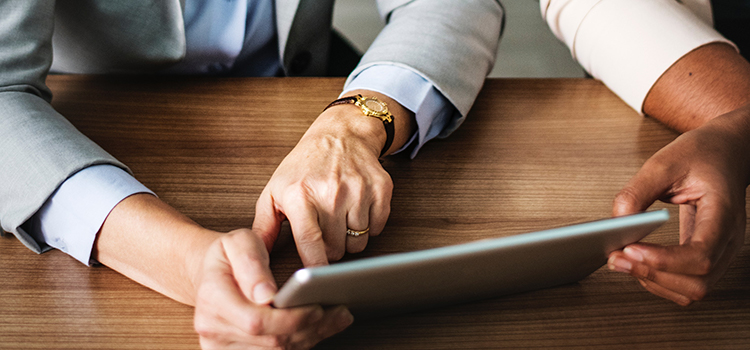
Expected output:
(332, 180)
(232, 308)
(226, 277)
(705, 171)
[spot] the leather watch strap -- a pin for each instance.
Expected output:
(341, 101)
(390, 130)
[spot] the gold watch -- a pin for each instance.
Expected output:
(372, 107)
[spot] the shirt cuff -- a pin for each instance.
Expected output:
(628, 44)
(431, 109)
(71, 218)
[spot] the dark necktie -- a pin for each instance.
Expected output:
(732, 19)
(306, 51)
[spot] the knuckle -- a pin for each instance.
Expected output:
(334, 254)
(356, 248)
(699, 292)
(659, 164)
(257, 260)
(650, 275)
(205, 299)
(703, 265)
(330, 197)
(297, 191)
(645, 272)
(358, 189)
(625, 199)
(277, 342)
(205, 327)
(202, 327)
(386, 209)
(254, 326)
(659, 263)
(333, 185)
(385, 183)
(388, 184)
(383, 196)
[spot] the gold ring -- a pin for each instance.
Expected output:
(355, 233)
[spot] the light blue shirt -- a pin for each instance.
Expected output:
(242, 42)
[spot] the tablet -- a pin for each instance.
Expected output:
(465, 272)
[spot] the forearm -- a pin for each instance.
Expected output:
(150, 242)
(733, 128)
(628, 44)
(708, 82)
(711, 83)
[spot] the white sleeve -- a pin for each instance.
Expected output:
(431, 109)
(628, 44)
(71, 218)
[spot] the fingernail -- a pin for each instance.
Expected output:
(683, 301)
(619, 265)
(263, 293)
(633, 253)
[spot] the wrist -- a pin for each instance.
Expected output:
(195, 258)
(735, 128)
(375, 116)
(347, 122)
(744, 130)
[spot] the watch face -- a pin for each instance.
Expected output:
(375, 105)
(372, 107)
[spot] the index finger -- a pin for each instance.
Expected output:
(267, 221)
(303, 218)
(650, 183)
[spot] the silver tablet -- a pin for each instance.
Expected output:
(458, 273)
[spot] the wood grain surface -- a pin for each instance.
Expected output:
(532, 154)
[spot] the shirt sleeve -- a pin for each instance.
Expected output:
(431, 109)
(628, 44)
(71, 218)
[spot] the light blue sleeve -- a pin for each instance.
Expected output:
(71, 218)
(431, 109)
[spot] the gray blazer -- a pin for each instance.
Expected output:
(450, 42)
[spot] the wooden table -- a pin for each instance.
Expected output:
(533, 154)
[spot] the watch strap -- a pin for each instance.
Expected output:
(390, 130)
(341, 101)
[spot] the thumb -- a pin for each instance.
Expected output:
(650, 183)
(250, 264)
(267, 222)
